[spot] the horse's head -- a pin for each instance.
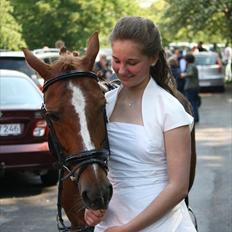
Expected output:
(74, 108)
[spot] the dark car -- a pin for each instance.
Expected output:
(23, 131)
(15, 60)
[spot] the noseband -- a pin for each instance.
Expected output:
(76, 163)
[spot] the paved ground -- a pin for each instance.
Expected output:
(211, 196)
(25, 206)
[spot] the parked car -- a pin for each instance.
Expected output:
(15, 60)
(23, 131)
(211, 72)
(48, 55)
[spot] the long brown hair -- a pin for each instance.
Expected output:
(145, 33)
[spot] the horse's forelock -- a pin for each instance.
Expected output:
(68, 62)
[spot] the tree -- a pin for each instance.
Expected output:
(209, 19)
(44, 22)
(155, 13)
(10, 30)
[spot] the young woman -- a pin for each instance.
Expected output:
(149, 136)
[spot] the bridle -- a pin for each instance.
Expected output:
(72, 163)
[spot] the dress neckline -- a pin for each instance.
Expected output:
(125, 123)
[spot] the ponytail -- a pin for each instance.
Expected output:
(161, 73)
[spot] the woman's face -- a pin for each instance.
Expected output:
(130, 65)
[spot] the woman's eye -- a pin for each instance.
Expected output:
(116, 61)
(132, 62)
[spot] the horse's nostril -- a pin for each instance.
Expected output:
(85, 197)
(99, 200)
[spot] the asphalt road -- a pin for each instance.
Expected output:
(211, 196)
(26, 206)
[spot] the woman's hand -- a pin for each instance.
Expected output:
(93, 217)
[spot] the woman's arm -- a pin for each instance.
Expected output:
(189, 73)
(178, 150)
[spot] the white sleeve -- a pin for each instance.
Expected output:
(175, 115)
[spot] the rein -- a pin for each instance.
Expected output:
(76, 163)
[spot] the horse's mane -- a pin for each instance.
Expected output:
(67, 60)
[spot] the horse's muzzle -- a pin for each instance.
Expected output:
(97, 198)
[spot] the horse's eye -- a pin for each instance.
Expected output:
(54, 116)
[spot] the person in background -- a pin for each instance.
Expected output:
(175, 70)
(59, 44)
(200, 47)
(102, 68)
(178, 65)
(191, 87)
(149, 138)
(227, 60)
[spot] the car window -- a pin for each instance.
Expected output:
(205, 60)
(18, 91)
(15, 63)
(49, 60)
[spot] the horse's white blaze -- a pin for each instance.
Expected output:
(79, 103)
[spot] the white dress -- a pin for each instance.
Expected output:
(138, 170)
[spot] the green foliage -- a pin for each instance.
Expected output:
(42, 23)
(208, 20)
(10, 30)
(73, 21)
(155, 13)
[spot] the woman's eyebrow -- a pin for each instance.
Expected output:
(130, 59)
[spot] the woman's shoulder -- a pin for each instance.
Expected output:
(165, 98)
(165, 107)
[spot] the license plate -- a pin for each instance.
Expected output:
(205, 83)
(10, 129)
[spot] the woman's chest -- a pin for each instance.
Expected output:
(128, 112)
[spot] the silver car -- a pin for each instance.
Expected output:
(210, 70)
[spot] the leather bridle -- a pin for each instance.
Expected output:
(76, 163)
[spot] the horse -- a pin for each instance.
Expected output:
(74, 108)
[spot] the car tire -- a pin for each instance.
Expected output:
(50, 178)
(221, 89)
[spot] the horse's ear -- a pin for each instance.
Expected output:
(92, 48)
(42, 68)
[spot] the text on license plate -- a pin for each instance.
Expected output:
(10, 129)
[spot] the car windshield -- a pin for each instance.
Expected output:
(16, 63)
(15, 91)
(205, 60)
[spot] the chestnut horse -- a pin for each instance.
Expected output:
(74, 108)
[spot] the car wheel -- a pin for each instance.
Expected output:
(50, 178)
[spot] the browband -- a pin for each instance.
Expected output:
(71, 74)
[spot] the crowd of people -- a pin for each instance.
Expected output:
(185, 72)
